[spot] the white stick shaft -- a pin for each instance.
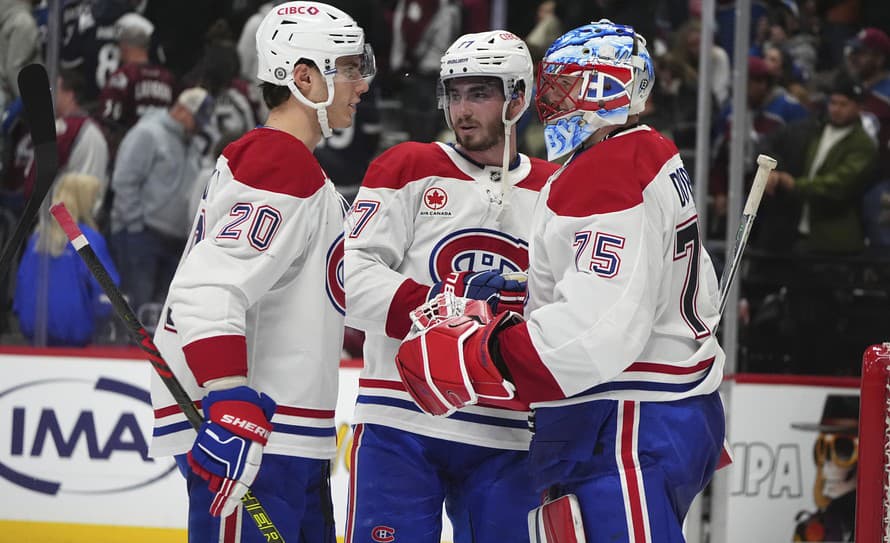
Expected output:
(765, 165)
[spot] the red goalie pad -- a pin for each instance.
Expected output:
(448, 365)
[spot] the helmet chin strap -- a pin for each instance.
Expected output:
(321, 108)
(505, 164)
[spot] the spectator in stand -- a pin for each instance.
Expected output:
(685, 49)
(781, 67)
(152, 182)
(236, 102)
(839, 160)
(672, 107)
(19, 44)
(869, 57)
(789, 33)
(138, 84)
(770, 107)
(840, 20)
(60, 304)
(422, 31)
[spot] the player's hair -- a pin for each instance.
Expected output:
(275, 95)
(74, 81)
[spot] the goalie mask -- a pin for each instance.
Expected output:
(317, 32)
(591, 77)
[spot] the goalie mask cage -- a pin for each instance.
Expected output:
(873, 484)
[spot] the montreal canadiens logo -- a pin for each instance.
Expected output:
(435, 198)
(383, 534)
(334, 284)
(478, 249)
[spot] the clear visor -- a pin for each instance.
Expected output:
(354, 68)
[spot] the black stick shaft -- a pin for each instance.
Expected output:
(137, 331)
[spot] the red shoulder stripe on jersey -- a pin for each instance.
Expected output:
(272, 160)
(539, 174)
(611, 175)
(534, 382)
(408, 296)
(410, 161)
(216, 357)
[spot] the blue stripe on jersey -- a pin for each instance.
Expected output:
(171, 428)
(460, 415)
(277, 427)
(304, 430)
(651, 386)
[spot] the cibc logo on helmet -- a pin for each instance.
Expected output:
(298, 10)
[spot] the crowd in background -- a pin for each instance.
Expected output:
(149, 92)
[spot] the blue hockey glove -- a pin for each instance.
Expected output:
(229, 447)
(502, 292)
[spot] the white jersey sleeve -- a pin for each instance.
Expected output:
(623, 296)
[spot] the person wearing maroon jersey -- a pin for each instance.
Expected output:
(82, 146)
(138, 84)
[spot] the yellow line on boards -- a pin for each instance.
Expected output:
(13, 531)
(51, 532)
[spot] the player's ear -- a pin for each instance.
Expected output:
(303, 77)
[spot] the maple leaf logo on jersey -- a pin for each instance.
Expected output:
(435, 198)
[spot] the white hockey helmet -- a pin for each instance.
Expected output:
(295, 31)
(496, 53)
(593, 76)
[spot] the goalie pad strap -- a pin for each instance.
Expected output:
(558, 521)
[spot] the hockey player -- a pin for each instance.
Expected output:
(616, 354)
(431, 217)
(247, 325)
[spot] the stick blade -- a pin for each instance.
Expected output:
(34, 88)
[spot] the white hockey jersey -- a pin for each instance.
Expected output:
(623, 298)
(424, 211)
(257, 293)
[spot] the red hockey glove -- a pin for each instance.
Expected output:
(505, 292)
(229, 447)
(451, 363)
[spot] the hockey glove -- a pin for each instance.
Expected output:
(453, 362)
(501, 292)
(229, 447)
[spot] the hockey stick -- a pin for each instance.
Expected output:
(765, 165)
(38, 103)
(137, 331)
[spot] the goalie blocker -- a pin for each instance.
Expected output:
(447, 323)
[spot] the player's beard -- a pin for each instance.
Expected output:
(486, 138)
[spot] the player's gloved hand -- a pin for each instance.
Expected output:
(454, 361)
(229, 447)
(505, 292)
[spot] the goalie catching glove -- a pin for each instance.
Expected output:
(502, 292)
(450, 360)
(229, 447)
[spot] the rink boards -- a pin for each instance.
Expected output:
(75, 427)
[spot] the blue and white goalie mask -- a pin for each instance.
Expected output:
(591, 77)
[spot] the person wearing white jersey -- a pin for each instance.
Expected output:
(248, 324)
(432, 217)
(616, 352)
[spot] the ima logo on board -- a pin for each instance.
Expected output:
(56, 440)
